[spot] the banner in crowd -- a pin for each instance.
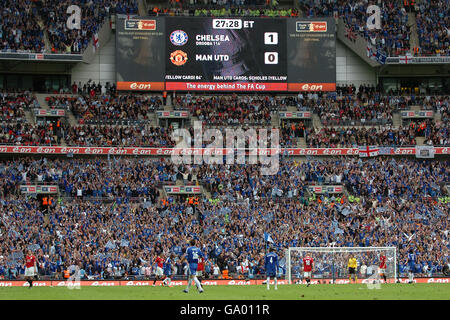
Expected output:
(182, 189)
(295, 115)
(172, 114)
(368, 151)
(141, 151)
(38, 189)
(326, 189)
(209, 282)
(376, 54)
(424, 152)
(417, 114)
(49, 113)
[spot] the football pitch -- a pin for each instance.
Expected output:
(253, 292)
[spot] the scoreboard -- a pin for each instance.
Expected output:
(226, 54)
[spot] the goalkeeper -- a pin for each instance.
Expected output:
(352, 266)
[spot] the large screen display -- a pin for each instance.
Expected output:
(226, 54)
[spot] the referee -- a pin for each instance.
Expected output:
(352, 265)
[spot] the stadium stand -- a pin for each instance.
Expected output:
(242, 204)
(433, 27)
(19, 30)
(25, 24)
(94, 13)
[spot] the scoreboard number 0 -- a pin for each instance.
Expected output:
(270, 57)
(227, 24)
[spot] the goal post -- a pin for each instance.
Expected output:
(331, 262)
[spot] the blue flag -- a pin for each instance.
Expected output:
(268, 238)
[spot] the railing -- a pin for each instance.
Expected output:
(418, 60)
(105, 199)
(119, 122)
(355, 122)
(41, 57)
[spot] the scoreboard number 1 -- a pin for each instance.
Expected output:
(271, 38)
(270, 57)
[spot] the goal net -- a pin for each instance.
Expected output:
(331, 263)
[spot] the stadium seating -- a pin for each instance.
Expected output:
(25, 23)
(433, 28)
(94, 13)
(19, 30)
(242, 202)
(26, 34)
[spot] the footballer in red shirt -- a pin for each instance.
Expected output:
(200, 269)
(383, 267)
(308, 263)
(30, 267)
(159, 274)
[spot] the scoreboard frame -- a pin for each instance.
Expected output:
(222, 54)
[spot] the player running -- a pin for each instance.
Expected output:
(352, 265)
(271, 265)
(192, 256)
(168, 271)
(30, 267)
(382, 267)
(412, 265)
(308, 263)
(159, 269)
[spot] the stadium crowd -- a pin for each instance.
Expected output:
(104, 106)
(115, 135)
(107, 118)
(122, 239)
(231, 110)
(14, 104)
(24, 23)
(26, 134)
(335, 137)
(19, 28)
(351, 110)
(433, 25)
(94, 13)
(393, 37)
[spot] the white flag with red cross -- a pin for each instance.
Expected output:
(368, 151)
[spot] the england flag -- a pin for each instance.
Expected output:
(368, 151)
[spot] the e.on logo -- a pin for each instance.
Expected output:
(439, 280)
(312, 87)
(318, 27)
(140, 86)
(5, 284)
(103, 283)
(238, 283)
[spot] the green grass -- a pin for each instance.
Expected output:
(254, 292)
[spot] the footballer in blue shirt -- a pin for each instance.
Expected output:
(168, 270)
(192, 256)
(271, 265)
(411, 264)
